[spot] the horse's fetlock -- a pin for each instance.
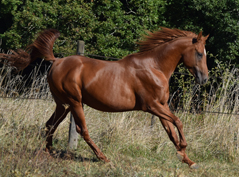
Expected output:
(183, 144)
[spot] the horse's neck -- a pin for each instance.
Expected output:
(168, 56)
(164, 58)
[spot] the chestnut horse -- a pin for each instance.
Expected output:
(139, 81)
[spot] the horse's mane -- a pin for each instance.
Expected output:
(162, 36)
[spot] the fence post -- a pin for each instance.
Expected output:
(152, 122)
(73, 135)
(80, 47)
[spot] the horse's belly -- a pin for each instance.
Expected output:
(109, 101)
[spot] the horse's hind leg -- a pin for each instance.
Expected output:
(81, 128)
(181, 154)
(168, 120)
(51, 125)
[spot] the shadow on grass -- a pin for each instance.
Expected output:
(70, 155)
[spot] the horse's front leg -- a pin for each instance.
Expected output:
(51, 125)
(81, 128)
(168, 120)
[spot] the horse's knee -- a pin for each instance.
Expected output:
(87, 138)
(85, 135)
(179, 124)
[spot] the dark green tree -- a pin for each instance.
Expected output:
(219, 18)
(111, 28)
(122, 23)
(108, 27)
(74, 19)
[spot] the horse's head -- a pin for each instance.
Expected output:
(195, 59)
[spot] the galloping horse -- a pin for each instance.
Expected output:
(139, 81)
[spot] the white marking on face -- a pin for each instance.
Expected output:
(205, 53)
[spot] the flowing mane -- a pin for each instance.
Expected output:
(160, 37)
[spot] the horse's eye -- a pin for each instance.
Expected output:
(199, 55)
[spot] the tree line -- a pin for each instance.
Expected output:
(112, 27)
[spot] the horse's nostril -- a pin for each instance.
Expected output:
(205, 80)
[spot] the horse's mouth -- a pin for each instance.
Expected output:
(200, 78)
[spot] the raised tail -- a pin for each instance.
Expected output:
(42, 47)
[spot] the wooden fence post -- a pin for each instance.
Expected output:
(80, 47)
(73, 135)
(152, 122)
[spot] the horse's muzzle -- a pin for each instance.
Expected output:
(201, 78)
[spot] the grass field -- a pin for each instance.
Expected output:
(134, 148)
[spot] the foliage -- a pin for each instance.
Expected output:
(121, 23)
(111, 28)
(72, 19)
(186, 94)
(108, 27)
(219, 18)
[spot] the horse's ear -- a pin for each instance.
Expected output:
(199, 36)
(205, 38)
(195, 40)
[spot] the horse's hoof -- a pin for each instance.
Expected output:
(104, 159)
(180, 156)
(109, 165)
(47, 150)
(194, 166)
(107, 161)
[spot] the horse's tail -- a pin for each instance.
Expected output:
(42, 47)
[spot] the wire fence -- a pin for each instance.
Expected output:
(116, 59)
(46, 67)
(179, 109)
